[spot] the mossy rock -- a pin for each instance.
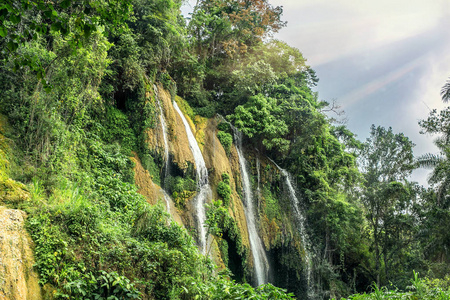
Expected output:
(182, 198)
(12, 192)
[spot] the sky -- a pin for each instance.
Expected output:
(383, 61)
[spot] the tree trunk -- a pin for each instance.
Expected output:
(377, 256)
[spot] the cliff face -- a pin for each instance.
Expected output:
(18, 280)
(180, 156)
(179, 151)
(274, 221)
(219, 163)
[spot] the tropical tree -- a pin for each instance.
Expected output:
(229, 27)
(386, 161)
(445, 92)
(22, 21)
(437, 200)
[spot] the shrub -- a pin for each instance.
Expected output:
(224, 191)
(103, 287)
(117, 129)
(226, 140)
(224, 126)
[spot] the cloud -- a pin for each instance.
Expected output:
(385, 61)
(326, 30)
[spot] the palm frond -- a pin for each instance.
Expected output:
(445, 92)
(429, 160)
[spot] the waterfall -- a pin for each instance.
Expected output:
(300, 220)
(167, 199)
(260, 261)
(203, 189)
(163, 123)
(258, 189)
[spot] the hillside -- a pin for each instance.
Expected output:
(143, 156)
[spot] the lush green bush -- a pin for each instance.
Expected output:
(226, 140)
(419, 289)
(224, 126)
(103, 287)
(220, 225)
(224, 191)
(181, 189)
(116, 128)
(226, 289)
(208, 111)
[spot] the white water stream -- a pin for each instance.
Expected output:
(260, 261)
(301, 220)
(163, 123)
(258, 189)
(203, 189)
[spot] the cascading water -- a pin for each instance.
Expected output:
(167, 199)
(258, 189)
(259, 255)
(203, 189)
(162, 120)
(300, 220)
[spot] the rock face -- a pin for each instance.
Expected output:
(182, 159)
(150, 190)
(178, 141)
(218, 163)
(146, 187)
(273, 218)
(18, 280)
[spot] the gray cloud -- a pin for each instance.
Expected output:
(383, 61)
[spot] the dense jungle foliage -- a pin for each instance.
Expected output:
(75, 80)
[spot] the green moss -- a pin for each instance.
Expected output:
(272, 207)
(226, 178)
(185, 108)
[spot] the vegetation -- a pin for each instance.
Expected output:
(419, 289)
(226, 140)
(77, 101)
(224, 190)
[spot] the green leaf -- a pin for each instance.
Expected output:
(8, 7)
(14, 19)
(12, 46)
(65, 3)
(56, 26)
(48, 13)
(3, 12)
(42, 29)
(87, 10)
(3, 31)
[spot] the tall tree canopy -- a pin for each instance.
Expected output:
(387, 161)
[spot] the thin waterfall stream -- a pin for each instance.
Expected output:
(163, 123)
(260, 261)
(203, 189)
(301, 220)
